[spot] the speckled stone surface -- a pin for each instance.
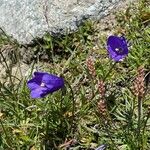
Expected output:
(25, 20)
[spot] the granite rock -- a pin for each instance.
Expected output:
(26, 20)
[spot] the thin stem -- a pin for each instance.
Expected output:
(108, 73)
(69, 60)
(9, 71)
(52, 49)
(144, 126)
(139, 120)
(73, 106)
(7, 137)
(109, 134)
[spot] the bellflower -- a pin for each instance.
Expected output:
(117, 47)
(44, 83)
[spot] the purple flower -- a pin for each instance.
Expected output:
(44, 83)
(117, 47)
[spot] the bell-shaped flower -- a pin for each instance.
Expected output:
(44, 83)
(117, 48)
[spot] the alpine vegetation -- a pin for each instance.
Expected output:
(83, 91)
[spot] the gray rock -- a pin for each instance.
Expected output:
(25, 20)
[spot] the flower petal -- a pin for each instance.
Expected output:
(53, 82)
(39, 92)
(35, 82)
(32, 84)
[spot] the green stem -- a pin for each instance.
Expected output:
(144, 126)
(9, 71)
(108, 73)
(69, 60)
(108, 132)
(139, 120)
(7, 137)
(73, 107)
